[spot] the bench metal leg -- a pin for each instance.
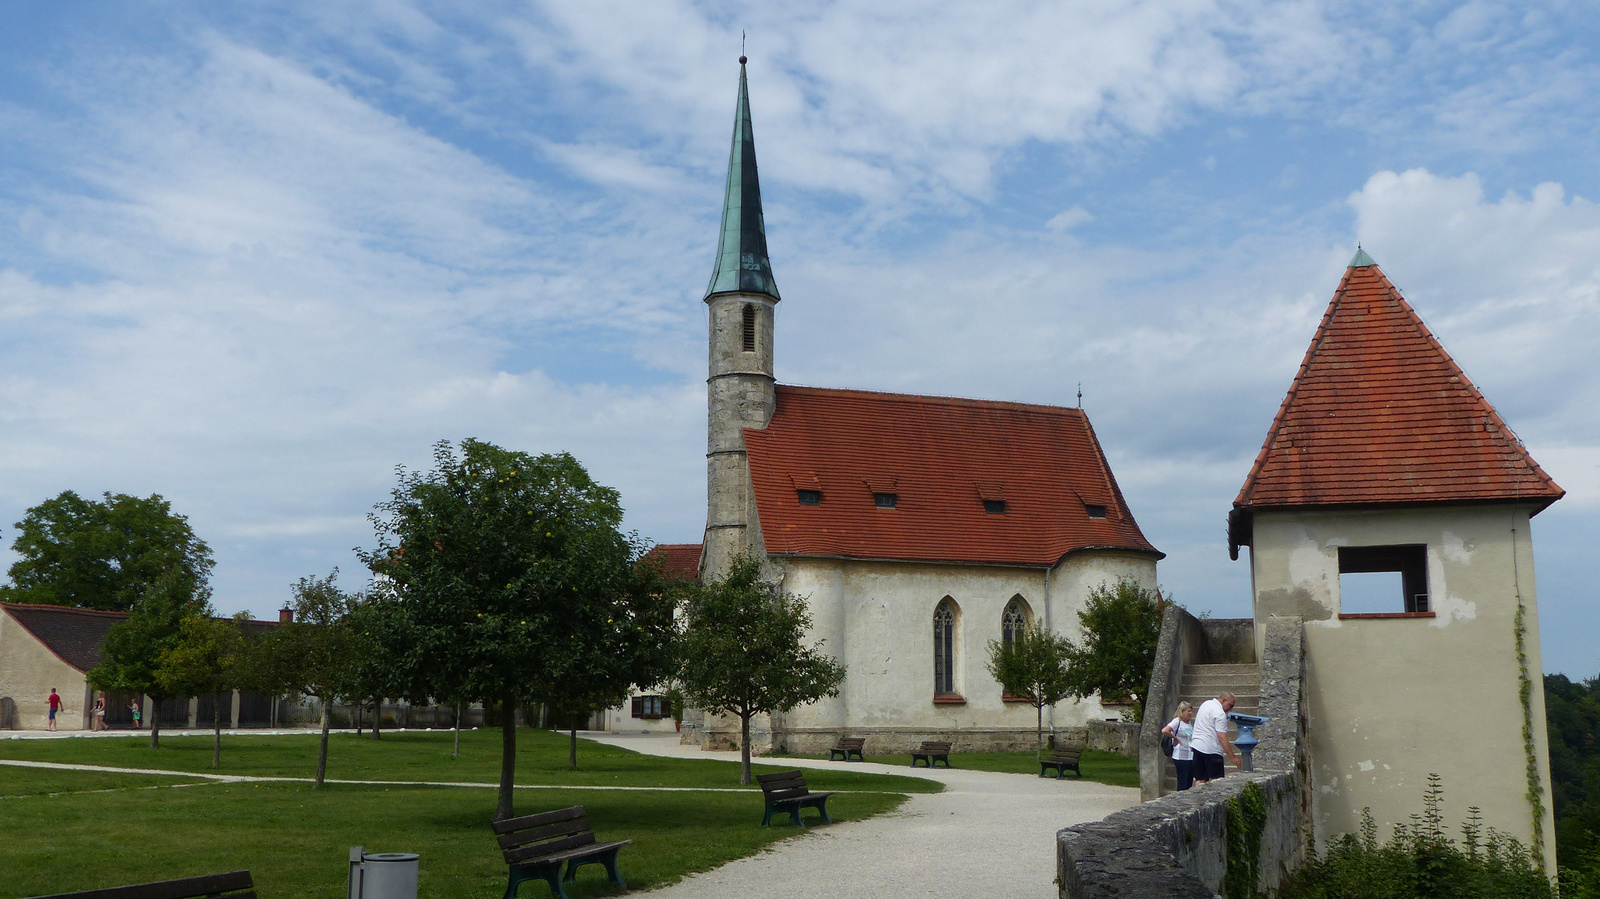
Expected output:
(550, 873)
(609, 860)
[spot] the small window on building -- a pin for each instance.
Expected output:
(1383, 579)
(749, 327)
(994, 506)
(885, 500)
(809, 497)
(648, 707)
(1094, 510)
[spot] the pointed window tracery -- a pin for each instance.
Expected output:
(1014, 620)
(944, 648)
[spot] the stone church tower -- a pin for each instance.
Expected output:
(740, 390)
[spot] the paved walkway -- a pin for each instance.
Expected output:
(987, 834)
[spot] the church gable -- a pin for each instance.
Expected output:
(860, 474)
(1379, 413)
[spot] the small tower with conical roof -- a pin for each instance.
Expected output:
(741, 298)
(1388, 512)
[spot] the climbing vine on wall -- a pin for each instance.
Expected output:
(1247, 821)
(1525, 692)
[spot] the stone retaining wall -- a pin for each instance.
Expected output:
(1121, 737)
(1177, 846)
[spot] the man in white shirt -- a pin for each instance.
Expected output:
(1211, 738)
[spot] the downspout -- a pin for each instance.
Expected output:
(1048, 626)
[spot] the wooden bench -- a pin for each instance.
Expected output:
(847, 747)
(1061, 759)
(786, 792)
(537, 845)
(931, 751)
(233, 885)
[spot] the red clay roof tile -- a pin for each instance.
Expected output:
(679, 561)
(1380, 413)
(942, 458)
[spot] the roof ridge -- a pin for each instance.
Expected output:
(55, 608)
(935, 399)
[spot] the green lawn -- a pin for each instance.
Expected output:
(68, 830)
(425, 756)
(39, 781)
(296, 840)
(1104, 767)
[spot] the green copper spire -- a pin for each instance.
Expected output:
(742, 264)
(1361, 259)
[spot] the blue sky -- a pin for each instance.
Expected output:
(254, 256)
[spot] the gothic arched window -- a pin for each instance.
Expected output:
(749, 327)
(1014, 620)
(944, 648)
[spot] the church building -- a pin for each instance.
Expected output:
(917, 528)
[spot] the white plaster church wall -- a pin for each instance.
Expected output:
(1390, 701)
(28, 670)
(877, 618)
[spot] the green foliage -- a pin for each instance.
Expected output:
(507, 578)
(205, 659)
(1247, 821)
(1034, 665)
(132, 652)
(742, 651)
(1121, 626)
(1422, 861)
(103, 554)
(1572, 720)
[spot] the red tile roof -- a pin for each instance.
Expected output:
(680, 561)
(942, 458)
(1379, 413)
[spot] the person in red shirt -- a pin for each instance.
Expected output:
(55, 706)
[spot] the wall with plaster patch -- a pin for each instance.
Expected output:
(1390, 700)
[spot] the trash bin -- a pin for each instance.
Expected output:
(382, 875)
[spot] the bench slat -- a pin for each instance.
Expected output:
(527, 853)
(527, 821)
(186, 888)
(547, 832)
(583, 852)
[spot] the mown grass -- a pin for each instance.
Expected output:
(1102, 767)
(418, 756)
(295, 840)
(15, 782)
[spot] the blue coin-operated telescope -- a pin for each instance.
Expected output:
(1247, 739)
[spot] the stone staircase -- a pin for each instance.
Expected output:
(1202, 682)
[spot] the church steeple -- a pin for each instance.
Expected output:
(740, 389)
(742, 264)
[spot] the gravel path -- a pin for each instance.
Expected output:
(986, 835)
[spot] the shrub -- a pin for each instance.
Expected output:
(1422, 861)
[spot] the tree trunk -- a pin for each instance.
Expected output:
(155, 723)
(216, 731)
(572, 748)
(1040, 710)
(358, 710)
(377, 716)
(457, 753)
(744, 747)
(508, 756)
(322, 752)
